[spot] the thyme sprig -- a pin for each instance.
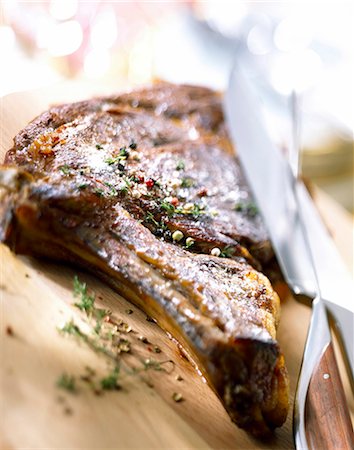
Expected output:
(159, 225)
(106, 337)
(110, 382)
(180, 165)
(65, 169)
(70, 328)
(86, 302)
(122, 156)
(227, 252)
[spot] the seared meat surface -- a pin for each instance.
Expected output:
(143, 189)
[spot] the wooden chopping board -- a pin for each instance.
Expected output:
(37, 298)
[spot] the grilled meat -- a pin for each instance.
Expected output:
(143, 189)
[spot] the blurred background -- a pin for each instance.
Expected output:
(305, 47)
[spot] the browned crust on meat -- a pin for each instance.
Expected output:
(100, 184)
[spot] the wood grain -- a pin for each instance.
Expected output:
(327, 419)
(36, 298)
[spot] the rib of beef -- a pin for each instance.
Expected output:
(143, 189)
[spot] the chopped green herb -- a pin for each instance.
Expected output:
(123, 153)
(99, 147)
(157, 184)
(159, 225)
(123, 189)
(82, 186)
(86, 301)
(187, 182)
(133, 179)
(227, 252)
(110, 382)
(99, 192)
(67, 382)
(65, 169)
(122, 156)
(111, 161)
(127, 182)
(72, 329)
(124, 186)
(112, 190)
(180, 165)
(133, 145)
(105, 336)
(168, 207)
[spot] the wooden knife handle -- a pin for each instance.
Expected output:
(327, 420)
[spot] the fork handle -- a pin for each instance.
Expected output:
(327, 420)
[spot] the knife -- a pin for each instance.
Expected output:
(321, 416)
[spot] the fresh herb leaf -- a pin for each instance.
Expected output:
(168, 207)
(157, 184)
(122, 156)
(180, 165)
(123, 153)
(187, 182)
(110, 161)
(110, 382)
(159, 225)
(99, 192)
(112, 190)
(67, 382)
(123, 189)
(196, 211)
(227, 252)
(87, 303)
(65, 169)
(72, 329)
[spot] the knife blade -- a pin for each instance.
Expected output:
(272, 182)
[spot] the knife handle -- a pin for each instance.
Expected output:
(327, 419)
